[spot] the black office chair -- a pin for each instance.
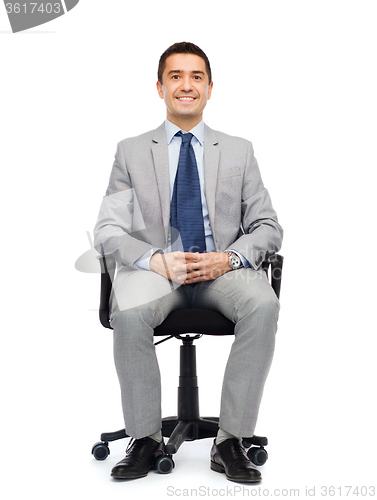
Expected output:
(186, 325)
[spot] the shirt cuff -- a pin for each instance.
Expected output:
(143, 261)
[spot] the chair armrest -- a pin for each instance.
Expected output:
(108, 266)
(276, 262)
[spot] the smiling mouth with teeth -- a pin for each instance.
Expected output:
(182, 98)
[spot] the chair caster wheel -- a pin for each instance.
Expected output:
(101, 451)
(258, 456)
(164, 464)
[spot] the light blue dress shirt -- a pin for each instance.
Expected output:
(174, 146)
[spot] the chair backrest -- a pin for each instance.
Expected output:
(273, 266)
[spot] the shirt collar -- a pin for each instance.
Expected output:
(197, 131)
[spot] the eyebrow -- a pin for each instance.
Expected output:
(196, 72)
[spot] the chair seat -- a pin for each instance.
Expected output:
(198, 321)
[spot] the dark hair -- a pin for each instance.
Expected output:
(182, 48)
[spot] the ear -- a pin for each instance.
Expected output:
(209, 90)
(160, 90)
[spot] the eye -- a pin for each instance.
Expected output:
(175, 77)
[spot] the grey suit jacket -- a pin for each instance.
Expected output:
(135, 212)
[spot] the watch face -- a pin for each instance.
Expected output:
(234, 261)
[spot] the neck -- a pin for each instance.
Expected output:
(185, 123)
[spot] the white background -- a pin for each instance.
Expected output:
(298, 78)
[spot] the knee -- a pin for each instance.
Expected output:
(130, 323)
(268, 304)
(264, 304)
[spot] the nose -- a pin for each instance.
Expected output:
(186, 84)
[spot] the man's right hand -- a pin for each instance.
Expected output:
(172, 266)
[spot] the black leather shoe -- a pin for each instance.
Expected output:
(230, 457)
(141, 455)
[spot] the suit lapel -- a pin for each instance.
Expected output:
(211, 168)
(161, 166)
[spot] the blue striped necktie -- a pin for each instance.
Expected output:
(186, 204)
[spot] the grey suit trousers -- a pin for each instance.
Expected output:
(143, 299)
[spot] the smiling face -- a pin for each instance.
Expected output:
(185, 89)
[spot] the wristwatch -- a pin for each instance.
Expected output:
(234, 260)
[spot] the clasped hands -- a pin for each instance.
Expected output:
(186, 267)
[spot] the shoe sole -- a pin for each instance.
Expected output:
(130, 476)
(219, 468)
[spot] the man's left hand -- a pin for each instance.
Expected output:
(206, 266)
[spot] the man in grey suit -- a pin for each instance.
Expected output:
(161, 269)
